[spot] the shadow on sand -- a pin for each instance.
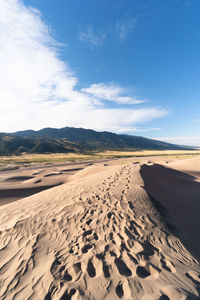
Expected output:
(176, 195)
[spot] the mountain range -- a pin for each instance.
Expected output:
(70, 139)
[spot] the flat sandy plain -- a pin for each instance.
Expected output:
(124, 228)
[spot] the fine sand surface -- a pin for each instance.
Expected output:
(100, 236)
(24, 182)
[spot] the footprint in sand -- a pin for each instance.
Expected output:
(119, 290)
(90, 269)
(194, 276)
(68, 294)
(122, 267)
(167, 265)
(147, 271)
(164, 297)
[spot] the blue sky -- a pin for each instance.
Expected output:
(127, 66)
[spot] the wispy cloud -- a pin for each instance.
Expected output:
(181, 140)
(91, 37)
(118, 31)
(111, 92)
(38, 89)
(123, 28)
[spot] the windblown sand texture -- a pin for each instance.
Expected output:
(18, 184)
(98, 236)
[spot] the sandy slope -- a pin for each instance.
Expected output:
(177, 195)
(189, 166)
(18, 184)
(97, 237)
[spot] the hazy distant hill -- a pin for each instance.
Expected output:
(58, 140)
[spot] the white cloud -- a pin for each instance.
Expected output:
(111, 92)
(38, 89)
(181, 140)
(91, 37)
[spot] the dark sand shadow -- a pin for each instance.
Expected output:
(176, 195)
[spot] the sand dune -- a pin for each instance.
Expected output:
(188, 166)
(14, 186)
(96, 237)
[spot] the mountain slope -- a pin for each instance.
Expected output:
(10, 144)
(99, 140)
